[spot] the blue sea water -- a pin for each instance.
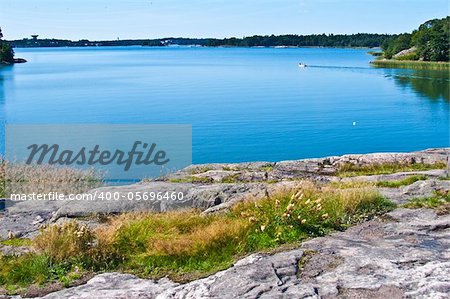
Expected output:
(244, 104)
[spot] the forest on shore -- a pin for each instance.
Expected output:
(430, 42)
(315, 40)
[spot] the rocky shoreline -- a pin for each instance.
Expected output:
(16, 60)
(404, 254)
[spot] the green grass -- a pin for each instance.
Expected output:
(408, 57)
(351, 170)
(405, 182)
(375, 53)
(266, 168)
(232, 178)
(18, 273)
(16, 242)
(233, 168)
(201, 169)
(192, 179)
(411, 64)
(185, 245)
(439, 199)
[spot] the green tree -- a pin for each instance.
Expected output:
(432, 40)
(6, 51)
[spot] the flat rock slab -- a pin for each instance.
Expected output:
(199, 196)
(416, 190)
(115, 285)
(406, 256)
(317, 169)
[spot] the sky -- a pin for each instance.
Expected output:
(133, 19)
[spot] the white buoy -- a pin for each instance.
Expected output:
(354, 123)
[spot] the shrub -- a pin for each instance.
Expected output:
(69, 241)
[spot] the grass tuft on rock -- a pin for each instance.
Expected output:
(351, 170)
(405, 182)
(438, 200)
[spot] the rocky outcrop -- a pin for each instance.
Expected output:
(115, 285)
(214, 187)
(19, 60)
(426, 188)
(406, 52)
(317, 169)
(405, 255)
(16, 60)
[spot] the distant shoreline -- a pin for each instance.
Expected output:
(198, 46)
(282, 41)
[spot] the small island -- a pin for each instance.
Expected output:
(424, 48)
(7, 52)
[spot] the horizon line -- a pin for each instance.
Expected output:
(181, 37)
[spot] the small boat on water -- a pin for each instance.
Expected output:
(302, 65)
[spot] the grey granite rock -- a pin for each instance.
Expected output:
(211, 194)
(317, 169)
(406, 256)
(115, 285)
(418, 189)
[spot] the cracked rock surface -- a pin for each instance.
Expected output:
(406, 255)
(222, 185)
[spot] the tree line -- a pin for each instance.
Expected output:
(291, 40)
(430, 42)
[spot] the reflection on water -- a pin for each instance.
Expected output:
(429, 83)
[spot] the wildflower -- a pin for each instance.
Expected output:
(252, 219)
(291, 226)
(263, 227)
(290, 207)
(307, 202)
(303, 221)
(277, 203)
(318, 200)
(324, 216)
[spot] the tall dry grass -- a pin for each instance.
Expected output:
(17, 178)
